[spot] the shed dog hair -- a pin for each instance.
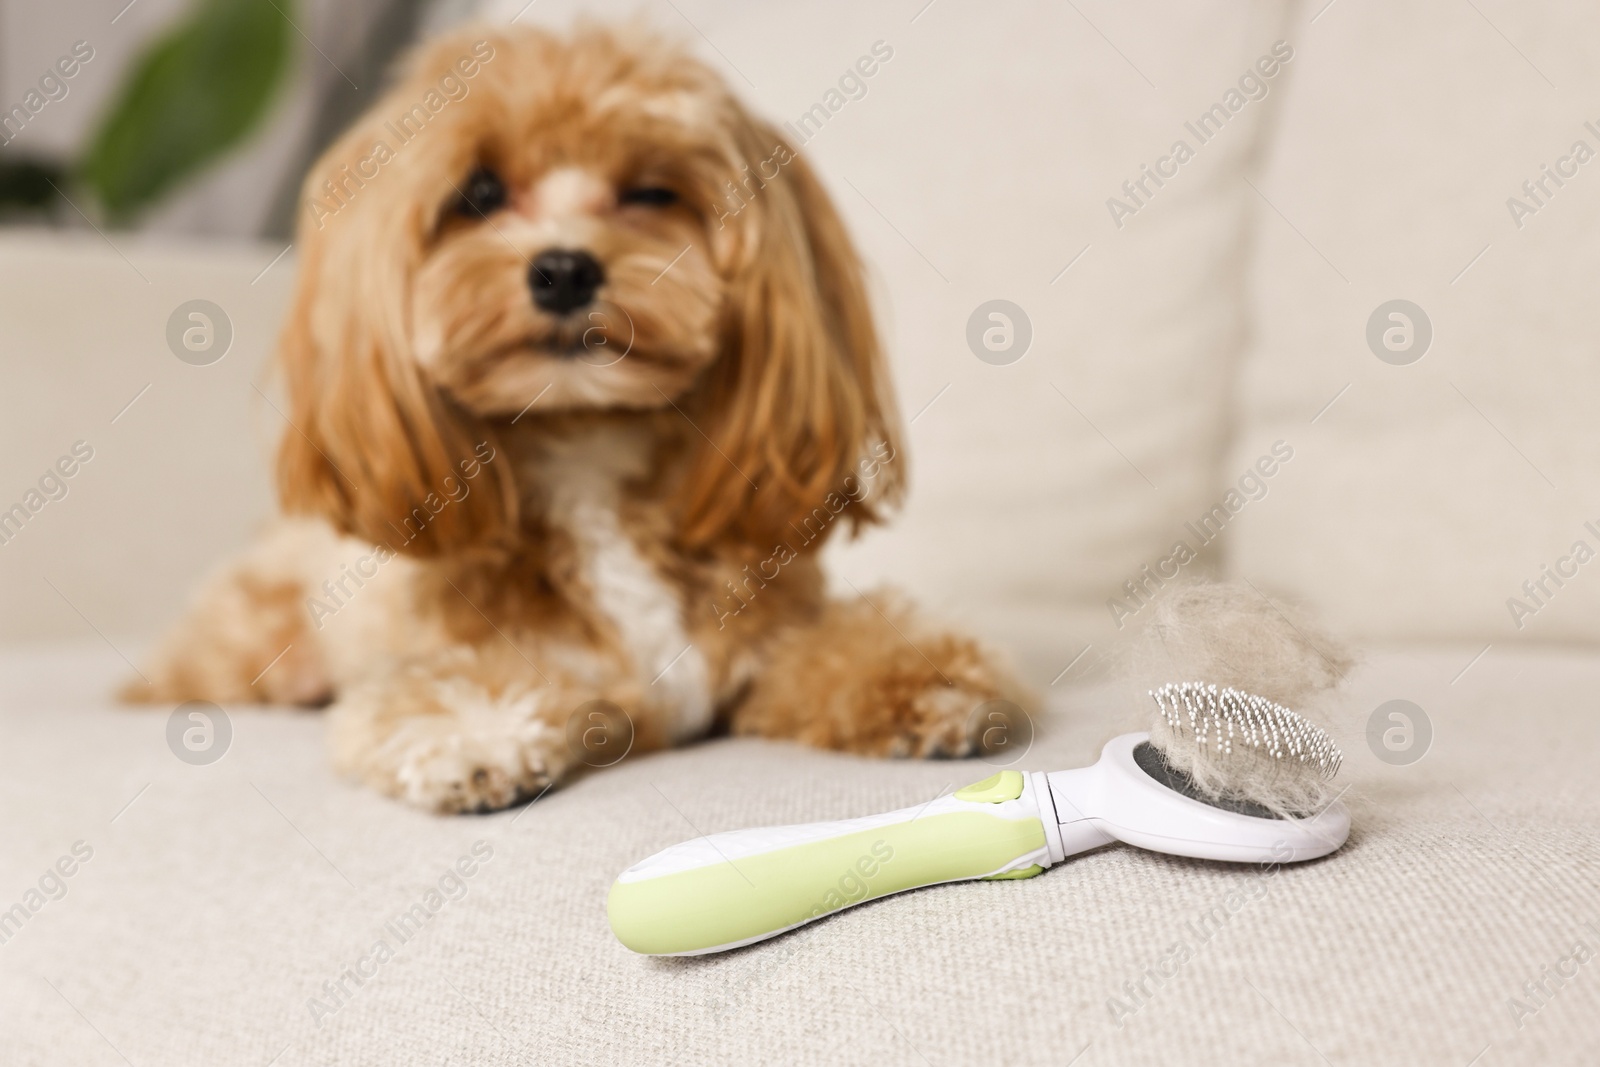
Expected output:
(566, 437)
(1228, 634)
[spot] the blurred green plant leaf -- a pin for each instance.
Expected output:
(193, 94)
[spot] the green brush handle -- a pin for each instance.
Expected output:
(733, 888)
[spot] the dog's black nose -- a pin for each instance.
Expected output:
(564, 279)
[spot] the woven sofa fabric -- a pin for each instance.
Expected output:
(233, 912)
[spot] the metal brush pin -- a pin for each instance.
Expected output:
(1242, 751)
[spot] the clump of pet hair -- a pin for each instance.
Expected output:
(1230, 636)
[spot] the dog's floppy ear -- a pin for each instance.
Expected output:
(799, 411)
(373, 445)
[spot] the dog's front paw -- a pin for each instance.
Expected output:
(447, 745)
(443, 768)
(920, 723)
(942, 721)
(872, 678)
(950, 704)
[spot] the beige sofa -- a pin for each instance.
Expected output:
(229, 912)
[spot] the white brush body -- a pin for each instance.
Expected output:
(1117, 799)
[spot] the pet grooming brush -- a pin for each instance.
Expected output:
(1224, 775)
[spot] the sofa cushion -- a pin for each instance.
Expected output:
(1431, 483)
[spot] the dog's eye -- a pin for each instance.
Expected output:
(648, 196)
(483, 193)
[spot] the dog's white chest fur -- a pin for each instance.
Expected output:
(584, 482)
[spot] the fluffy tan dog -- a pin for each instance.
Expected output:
(581, 376)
